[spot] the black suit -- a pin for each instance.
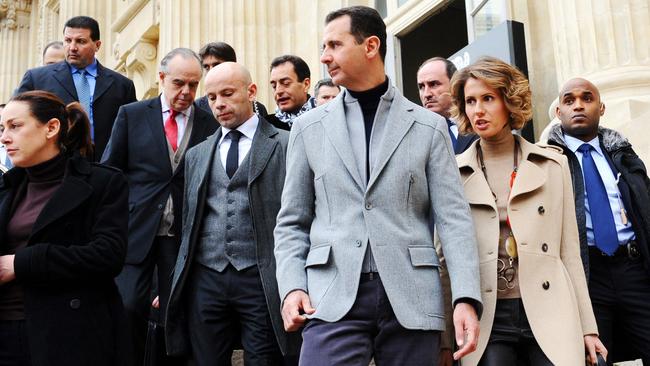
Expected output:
(76, 248)
(112, 90)
(139, 147)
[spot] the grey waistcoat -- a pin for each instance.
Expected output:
(227, 230)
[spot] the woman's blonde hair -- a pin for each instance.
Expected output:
(508, 80)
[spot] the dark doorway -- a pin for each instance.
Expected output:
(442, 34)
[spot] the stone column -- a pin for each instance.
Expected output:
(49, 28)
(15, 40)
(607, 42)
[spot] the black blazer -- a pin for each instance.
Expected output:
(138, 147)
(112, 90)
(73, 309)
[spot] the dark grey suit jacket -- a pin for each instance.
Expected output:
(138, 147)
(112, 90)
(265, 181)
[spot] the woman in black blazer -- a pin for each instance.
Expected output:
(63, 235)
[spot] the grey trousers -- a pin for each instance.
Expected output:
(370, 329)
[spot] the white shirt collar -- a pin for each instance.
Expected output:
(573, 143)
(247, 128)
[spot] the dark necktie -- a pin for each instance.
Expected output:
(232, 160)
(171, 129)
(451, 134)
(83, 92)
(602, 219)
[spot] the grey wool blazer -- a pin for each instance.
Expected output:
(327, 218)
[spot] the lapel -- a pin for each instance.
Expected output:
(203, 125)
(398, 123)
(73, 192)
(154, 120)
(261, 149)
(103, 81)
(477, 190)
(203, 165)
(529, 175)
(63, 76)
(335, 126)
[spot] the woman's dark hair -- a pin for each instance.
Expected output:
(74, 134)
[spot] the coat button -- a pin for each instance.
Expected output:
(541, 210)
(368, 206)
(231, 201)
(160, 206)
(544, 248)
(546, 285)
(75, 304)
(358, 242)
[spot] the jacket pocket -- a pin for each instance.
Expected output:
(318, 256)
(424, 257)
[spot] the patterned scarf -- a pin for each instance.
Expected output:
(288, 117)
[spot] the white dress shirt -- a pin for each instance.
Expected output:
(624, 231)
(247, 129)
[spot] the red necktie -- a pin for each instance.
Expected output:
(171, 129)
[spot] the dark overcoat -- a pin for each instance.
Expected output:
(74, 314)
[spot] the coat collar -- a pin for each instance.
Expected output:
(74, 190)
(529, 176)
(335, 126)
(264, 143)
(398, 124)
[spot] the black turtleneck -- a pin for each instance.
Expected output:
(41, 181)
(369, 101)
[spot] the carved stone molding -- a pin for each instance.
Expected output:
(9, 10)
(140, 65)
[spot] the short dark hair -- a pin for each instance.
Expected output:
(299, 65)
(449, 66)
(364, 22)
(220, 50)
(84, 22)
(57, 45)
(324, 82)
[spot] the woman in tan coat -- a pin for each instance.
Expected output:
(537, 309)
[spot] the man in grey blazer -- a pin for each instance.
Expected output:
(366, 175)
(224, 278)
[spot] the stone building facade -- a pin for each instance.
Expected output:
(605, 41)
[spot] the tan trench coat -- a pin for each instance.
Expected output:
(551, 277)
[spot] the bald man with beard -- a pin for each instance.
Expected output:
(612, 203)
(225, 273)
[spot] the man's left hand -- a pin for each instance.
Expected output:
(466, 326)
